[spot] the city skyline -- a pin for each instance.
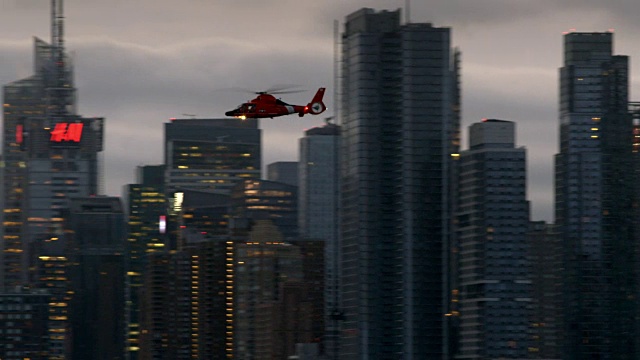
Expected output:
(138, 74)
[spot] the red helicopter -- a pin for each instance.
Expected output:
(267, 106)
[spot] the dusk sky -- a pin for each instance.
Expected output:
(140, 62)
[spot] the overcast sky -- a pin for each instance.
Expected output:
(141, 62)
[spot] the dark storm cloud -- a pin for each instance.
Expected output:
(140, 62)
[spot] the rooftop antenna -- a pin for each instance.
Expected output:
(336, 67)
(58, 89)
(327, 120)
(407, 11)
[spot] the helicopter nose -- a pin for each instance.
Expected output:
(229, 113)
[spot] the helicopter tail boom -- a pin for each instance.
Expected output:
(316, 106)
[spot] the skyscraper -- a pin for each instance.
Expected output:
(95, 228)
(264, 199)
(493, 222)
(594, 201)
(50, 154)
(283, 171)
(265, 267)
(147, 220)
(546, 267)
(399, 118)
(211, 154)
(318, 214)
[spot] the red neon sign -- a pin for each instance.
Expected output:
(67, 132)
(19, 136)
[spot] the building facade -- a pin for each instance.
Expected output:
(50, 154)
(147, 227)
(594, 201)
(96, 235)
(211, 154)
(318, 215)
(283, 171)
(268, 200)
(400, 126)
(493, 221)
(24, 326)
(546, 265)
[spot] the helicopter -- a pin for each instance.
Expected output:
(265, 105)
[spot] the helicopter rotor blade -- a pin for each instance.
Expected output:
(282, 87)
(285, 92)
(278, 89)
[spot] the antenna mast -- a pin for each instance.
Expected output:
(336, 68)
(59, 87)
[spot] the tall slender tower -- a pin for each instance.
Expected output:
(318, 215)
(493, 220)
(594, 200)
(399, 118)
(50, 154)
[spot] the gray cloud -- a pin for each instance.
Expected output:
(140, 62)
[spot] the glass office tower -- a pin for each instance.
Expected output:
(50, 154)
(594, 200)
(399, 118)
(318, 215)
(211, 154)
(494, 270)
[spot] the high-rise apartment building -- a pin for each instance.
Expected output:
(400, 126)
(50, 154)
(318, 215)
(211, 154)
(147, 220)
(492, 226)
(25, 317)
(187, 317)
(166, 303)
(594, 194)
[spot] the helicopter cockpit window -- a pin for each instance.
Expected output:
(251, 107)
